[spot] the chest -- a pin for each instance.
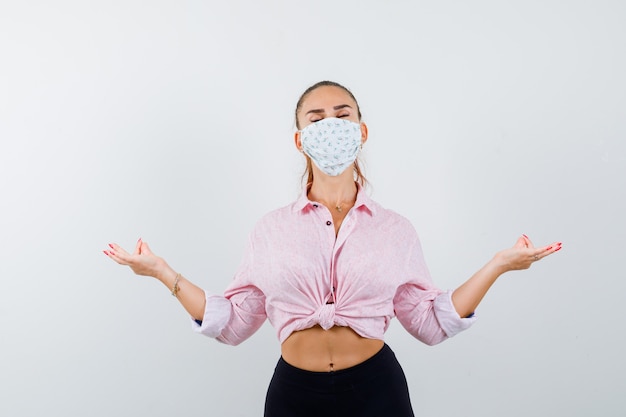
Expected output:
(338, 217)
(313, 259)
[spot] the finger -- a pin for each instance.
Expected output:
(529, 243)
(520, 243)
(550, 249)
(117, 248)
(120, 260)
(546, 251)
(120, 255)
(145, 249)
(138, 247)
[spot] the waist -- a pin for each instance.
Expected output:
(319, 350)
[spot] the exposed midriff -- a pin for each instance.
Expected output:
(319, 350)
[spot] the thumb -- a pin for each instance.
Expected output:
(521, 243)
(529, 244)
(145, 249)
(137, 247)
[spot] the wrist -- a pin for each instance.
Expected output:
(165, 273)
(499, 264)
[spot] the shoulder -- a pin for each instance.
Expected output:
(391, 221)
(385, 214)
(276, 218)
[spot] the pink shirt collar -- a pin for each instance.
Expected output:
(363, 201)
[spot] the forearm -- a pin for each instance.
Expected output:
(521, 256)
(467, 297)
(190, 296)
(143, 262)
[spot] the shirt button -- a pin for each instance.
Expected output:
(328, 223)
(315, 205)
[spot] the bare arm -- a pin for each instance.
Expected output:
(521, 256)
(143, 262)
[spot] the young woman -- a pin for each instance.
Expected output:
(330, 271)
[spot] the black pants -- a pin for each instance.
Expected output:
(374, 388)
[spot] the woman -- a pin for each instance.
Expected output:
(330, 271)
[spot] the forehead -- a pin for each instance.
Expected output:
(326, 96)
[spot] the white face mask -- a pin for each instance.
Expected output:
(333, 144)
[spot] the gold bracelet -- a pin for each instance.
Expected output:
(176, 288)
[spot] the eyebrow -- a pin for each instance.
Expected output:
(339, 107)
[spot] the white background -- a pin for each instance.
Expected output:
(173, 121)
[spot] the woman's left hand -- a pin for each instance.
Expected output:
(523, 254)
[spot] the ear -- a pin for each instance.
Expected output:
(298, 141)
(363, 133)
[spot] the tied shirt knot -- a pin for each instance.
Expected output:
(326, 316)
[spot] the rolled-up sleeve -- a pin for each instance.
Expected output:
(424, 310)
(428, 314)
(232, 320)
(240, 312)
(247, 314)
(216, 316)
(449, 320)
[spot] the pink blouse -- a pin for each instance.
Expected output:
(296, 273)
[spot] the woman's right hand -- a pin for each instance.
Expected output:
(142, 261)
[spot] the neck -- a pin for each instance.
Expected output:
(336, 193)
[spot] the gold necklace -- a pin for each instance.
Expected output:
(339, 208)
(338, 205)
